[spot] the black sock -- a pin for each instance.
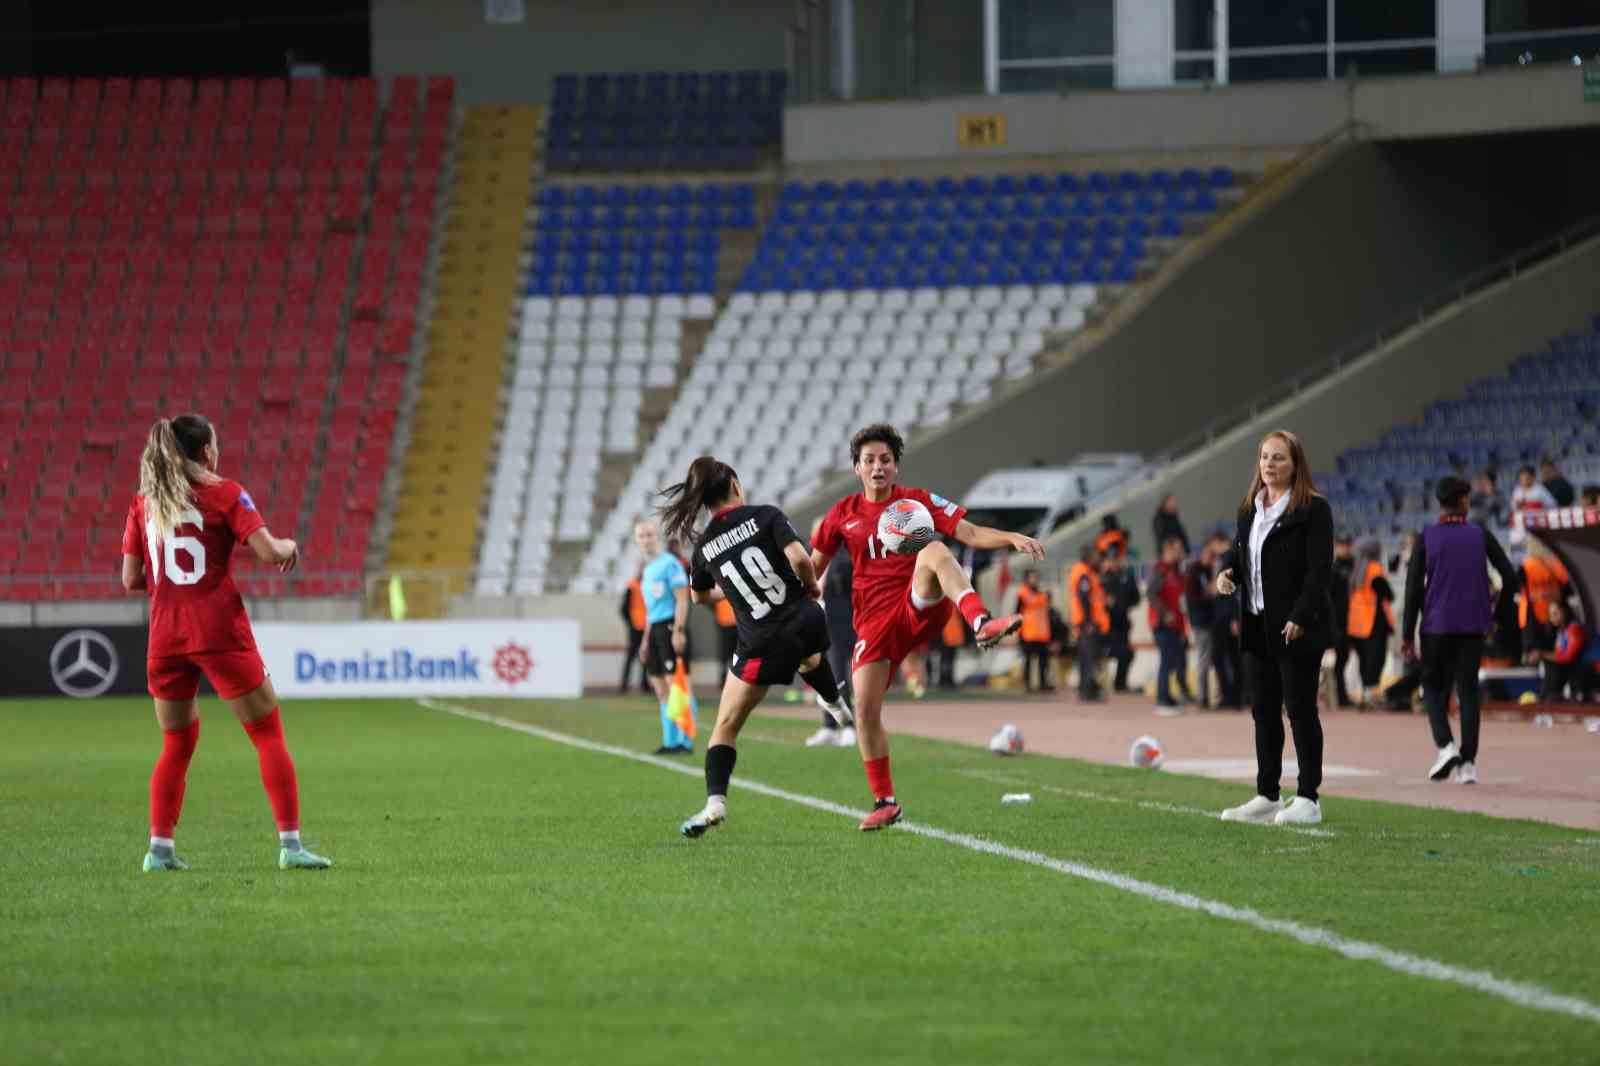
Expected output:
(719, 768)
(822, 680)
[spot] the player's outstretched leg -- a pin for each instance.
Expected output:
(938, 573)
(738, 700)
(180, 732)
(258, 713)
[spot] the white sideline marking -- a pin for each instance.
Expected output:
(1517, 992)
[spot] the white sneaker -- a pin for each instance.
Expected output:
(1259, 810)
(823, 738)
(846, 737)
(1467, 774)
(1448, 760)
(1300, 811)
(839, 711)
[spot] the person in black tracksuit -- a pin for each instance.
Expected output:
(1280, 564)
(1344, 565)
(1122, 596)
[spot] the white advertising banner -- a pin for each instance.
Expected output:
(512, 658)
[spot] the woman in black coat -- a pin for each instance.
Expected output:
(1280, 566)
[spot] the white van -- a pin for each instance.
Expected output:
(1038, 500)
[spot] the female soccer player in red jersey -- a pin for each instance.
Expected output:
(901, 599)
(178, 543)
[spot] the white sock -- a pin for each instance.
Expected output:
(290, 839)
(717, 805)
(161, 845)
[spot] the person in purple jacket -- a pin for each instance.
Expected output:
(1447, 583)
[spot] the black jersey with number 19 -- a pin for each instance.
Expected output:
(742, 553)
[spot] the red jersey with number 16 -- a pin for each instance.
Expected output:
(194, 604)
(881, 578)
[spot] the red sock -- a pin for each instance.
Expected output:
(277, 770)
(971, 607)
(878, 778)
(170, 775)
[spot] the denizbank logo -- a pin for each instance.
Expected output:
(516, 657)
(397, 665)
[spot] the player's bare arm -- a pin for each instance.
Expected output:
(711, 595)
(680, 619)
(133, 573)
(988, 538)
(802, 561)
(279, 551)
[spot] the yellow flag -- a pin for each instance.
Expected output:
(680, 701)
(397, 598)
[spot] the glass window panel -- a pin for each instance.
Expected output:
(1381, 20)
(1522, 16)
(1057, 79)
(1352, 64)
(1258, 23)
(1276, 68)
(1042, 29)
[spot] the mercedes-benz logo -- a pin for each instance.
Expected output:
(83, 664)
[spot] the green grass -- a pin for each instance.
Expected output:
(502, 898)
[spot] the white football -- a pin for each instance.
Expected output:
(902, 521)
(1008, 741)
(1146, 754)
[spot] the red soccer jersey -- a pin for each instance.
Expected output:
(880, 577)
(194, 604)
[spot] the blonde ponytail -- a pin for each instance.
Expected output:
(166, 475)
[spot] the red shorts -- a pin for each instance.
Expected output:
(231, 673)
(897, 634)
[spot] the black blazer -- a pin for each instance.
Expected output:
(1296, 571)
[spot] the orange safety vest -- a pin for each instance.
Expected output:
(725, 616)
(955, 631)
(1097, 596)
(1364, 605)
(636, 613)
(1112, 541)
(1543, 581)
(1035, 605)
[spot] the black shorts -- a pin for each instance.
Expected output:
(659, 658)
(782, 647)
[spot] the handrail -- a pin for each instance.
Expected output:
(1370, 340)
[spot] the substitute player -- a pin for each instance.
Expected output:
(666, 602)
(184, 523)
(902, 599)
(751, 558)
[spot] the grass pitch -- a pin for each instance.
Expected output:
(502, 898)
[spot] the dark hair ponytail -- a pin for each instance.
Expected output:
(709, 482)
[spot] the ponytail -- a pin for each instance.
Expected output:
(170, 466)
(709, 482)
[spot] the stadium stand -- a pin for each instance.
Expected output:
(583, 366)
(898, 300)
(663, 121)
(1546, 404)
(621, 240)
(436, 513)
(247, 248)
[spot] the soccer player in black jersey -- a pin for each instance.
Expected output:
(752, 557)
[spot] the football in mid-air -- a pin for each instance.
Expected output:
(1146, 753)
(904, 523)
